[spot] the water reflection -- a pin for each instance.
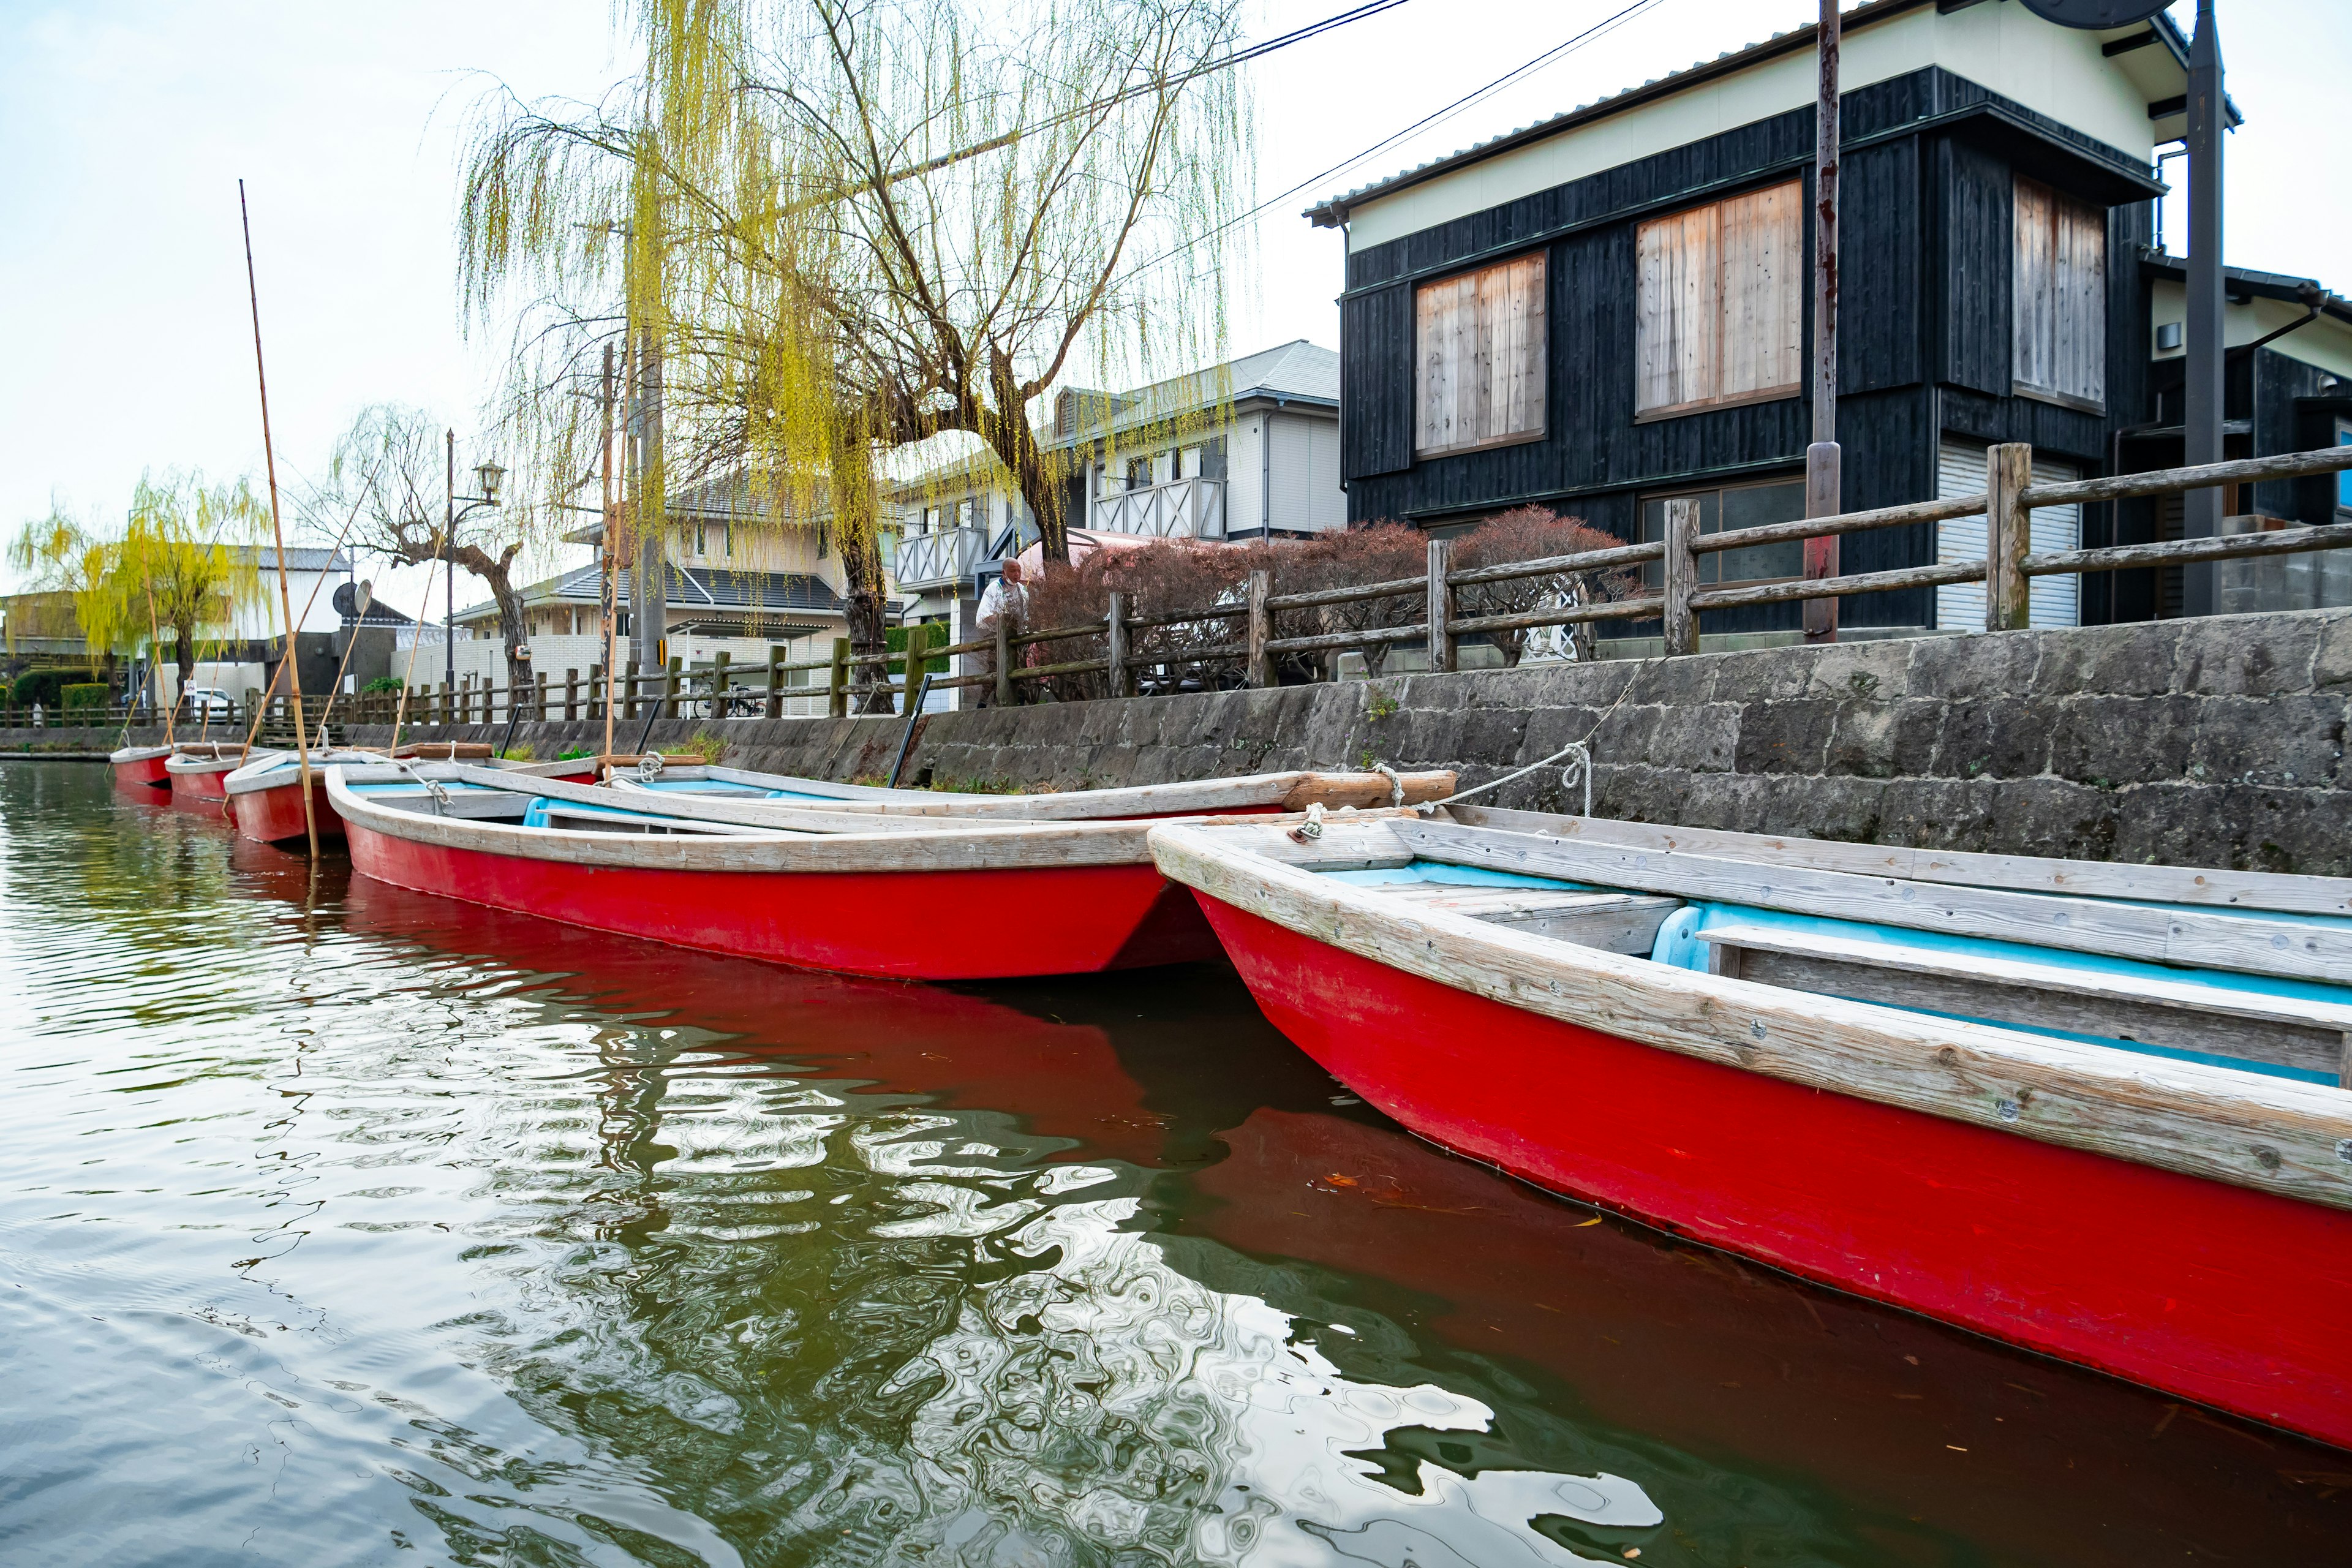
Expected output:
(336, 1221)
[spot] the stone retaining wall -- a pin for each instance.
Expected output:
(2218, 741)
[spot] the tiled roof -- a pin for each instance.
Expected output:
(1334, 211)
(689, 588)
(1298, 370)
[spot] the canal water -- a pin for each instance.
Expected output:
(340, 1224)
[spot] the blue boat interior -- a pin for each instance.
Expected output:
(1681, 942)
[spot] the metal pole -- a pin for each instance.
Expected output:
(2202, 411)
(285, 599)
(449, 562)
(1823, 486)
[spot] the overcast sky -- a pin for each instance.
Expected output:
(124, 128)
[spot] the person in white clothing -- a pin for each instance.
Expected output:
(1007, 600)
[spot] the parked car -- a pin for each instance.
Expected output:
(208, 703)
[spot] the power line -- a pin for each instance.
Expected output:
(1437, 117)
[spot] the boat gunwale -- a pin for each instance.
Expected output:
(2279, 1136)
(1185, 796)
(865, 847)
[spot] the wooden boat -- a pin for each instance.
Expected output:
(856, 893)
(2093, 1111)
(198, 775)
(265, 797)
(139, 767)
(1247, 795)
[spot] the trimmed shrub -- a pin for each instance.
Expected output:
(1534, 533)
(382, 683)
(45, 687)
(86, 697)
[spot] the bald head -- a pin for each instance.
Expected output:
(1012, 572)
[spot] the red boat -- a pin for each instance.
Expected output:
(851, 893)
(199, 773)
(1666, 1026)
(140, 767)
(1247, 795)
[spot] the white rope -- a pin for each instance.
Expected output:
(1581, 769)
(1311, 829)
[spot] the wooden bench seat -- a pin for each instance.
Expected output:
(1619, 923)
(2311, 1036)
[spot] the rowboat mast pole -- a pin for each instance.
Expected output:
(277, 531)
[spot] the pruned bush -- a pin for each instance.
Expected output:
(45, 687)
(1536, 533)
(382, 683)
(1379, 552)
(88, 698)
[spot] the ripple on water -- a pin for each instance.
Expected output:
(336, 1221)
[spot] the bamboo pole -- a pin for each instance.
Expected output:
(277, 531)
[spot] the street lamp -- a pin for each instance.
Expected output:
(487, 477)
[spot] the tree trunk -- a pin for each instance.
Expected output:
(868, 635)
(1009, 435)
(521, 688)
(184, 652)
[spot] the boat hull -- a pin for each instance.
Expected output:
(274, 814)
(948, 924)
(2221, 1294)
(204, 790)
(142, 773)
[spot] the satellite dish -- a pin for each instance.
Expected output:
(2094, 14)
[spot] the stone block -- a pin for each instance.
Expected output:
(2109, 741)
(1623, 734)
(1630, 792)
(1757, 675)
(2289, 742)
(1785, 737)
(1860, 672)
(1992, 737)
(2133, 659)
(1963, 667)
(2331, 653)
(1702, 739)
(2245, 655)
(1939, 814)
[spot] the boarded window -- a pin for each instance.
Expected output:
(2059, 298)
(1481, 340)
(1720, 312)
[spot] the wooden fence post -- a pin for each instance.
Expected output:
(1441, 606)
(918, 653)
(2009, 537)
(718, 662)
(540, 695)
(1259, 668)
(670, 686)
(1004, 661)
(837, 686)
(442, 705)
(571, 693)
(1115, 644)
(629, 690)
(775, 709)
(1681, 576)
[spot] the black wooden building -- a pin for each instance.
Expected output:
(1640, 330)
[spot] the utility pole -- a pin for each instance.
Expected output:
(609, 578)
(2202, 408)
(649, 581)
(1823, 489)
(449, 570)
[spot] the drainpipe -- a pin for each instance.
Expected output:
(1265, 475)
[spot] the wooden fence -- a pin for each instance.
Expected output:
(1677, 600)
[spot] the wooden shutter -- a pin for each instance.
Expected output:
(1719, 310)
(2058, 294)
(1763, 309)
(1481, 345)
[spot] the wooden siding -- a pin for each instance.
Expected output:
(1918, 298)
(1375, 404)
(1878, 272)
(1974, 229)
(2058, 295)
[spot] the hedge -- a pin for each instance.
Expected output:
(83, 697)
(45, 687)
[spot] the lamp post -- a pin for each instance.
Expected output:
(488, 478)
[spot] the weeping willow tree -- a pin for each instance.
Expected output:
(183, 564)
(826, 228)
(61, 555)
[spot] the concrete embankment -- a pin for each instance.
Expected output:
(2216, 742)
